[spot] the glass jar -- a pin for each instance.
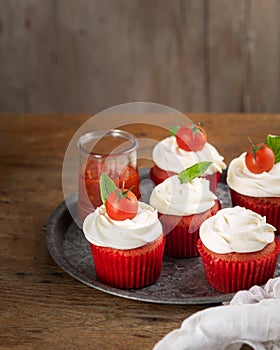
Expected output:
(113, 152)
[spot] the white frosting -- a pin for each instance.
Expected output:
(242, 180)
(99, 229)
(174, 198)
(237, 230)
(169, 157)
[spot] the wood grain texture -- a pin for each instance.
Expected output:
(265, 55)
(42, 307)
(227, 32)
(61, 56)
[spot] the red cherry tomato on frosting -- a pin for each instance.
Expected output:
(191, 137)
(259, 158)
(121, 205)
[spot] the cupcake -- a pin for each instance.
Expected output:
(238, 249)
(255, 183)
(185, 147)
(184, 201)
(126, 239)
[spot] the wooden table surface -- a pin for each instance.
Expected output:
(41, 306)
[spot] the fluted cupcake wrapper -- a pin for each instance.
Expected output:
(228, 276)
(182, 232)
(158, 175)
(265, 206)
(128, 269)
(214, 180)
(180, 243)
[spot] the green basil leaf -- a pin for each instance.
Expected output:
(194, 171)
(173, 130)
(107, 186)
(273, 141)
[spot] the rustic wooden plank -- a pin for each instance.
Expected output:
(243, 54)
(264, 46)
(82, 57)
(227, 26)
(141, 51)
(28, 74)
(60, 56)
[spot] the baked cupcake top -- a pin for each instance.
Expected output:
(243, 181)
(101, 230)
(236, 230)
(175, 196)
(168, 156)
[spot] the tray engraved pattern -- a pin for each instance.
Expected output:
(182, 281)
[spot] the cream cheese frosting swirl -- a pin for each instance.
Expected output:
(237, 230)
(169, 157)
(174, 198)
(99, 229)
(243, 181)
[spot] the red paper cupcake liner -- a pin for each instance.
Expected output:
(229, 276)
(158, 175)
(182, 233)
(180, 243)
(214, 180)
(129, 269)
(265, 206)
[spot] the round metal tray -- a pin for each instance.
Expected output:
(182, 281)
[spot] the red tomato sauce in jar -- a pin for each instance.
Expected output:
(89, 185)
(112, 152)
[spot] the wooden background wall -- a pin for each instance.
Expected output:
(82, 56)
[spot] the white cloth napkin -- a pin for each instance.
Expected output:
(252, 317)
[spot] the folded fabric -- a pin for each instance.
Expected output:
(252, 317)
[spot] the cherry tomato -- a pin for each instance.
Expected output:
(191, 137)
(121, 205)
(259, 158)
